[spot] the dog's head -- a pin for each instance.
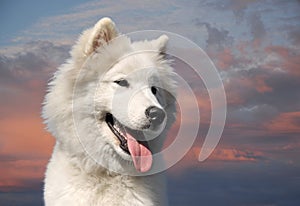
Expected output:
(117, 98)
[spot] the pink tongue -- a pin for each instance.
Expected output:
(141, 155)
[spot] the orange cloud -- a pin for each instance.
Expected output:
(225, 59)
(288, 59)
(235, 155)
(288, 122)
(236, 88)
(25, 135)
(25, 150)
(18, 174)
(219, 154)
(233, 98)
(225, 154)
(260, 85)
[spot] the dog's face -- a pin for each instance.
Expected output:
(123, 102)
(136, 107)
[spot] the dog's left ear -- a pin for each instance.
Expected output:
(103, 32)
(161, 43)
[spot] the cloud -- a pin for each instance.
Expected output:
(35, 61)
(294, 36)
(257, 27)
(24, 72)
(245, 85)
(220, 154)
(225, 59)
(239, 7)
(284, 59)
(21, 174)
(288, 122)
(233, 155)
(130, 15)
(25, 147)
(256, 93)
(256, 77)
(21, 132)
(257, 114)
(217, 38)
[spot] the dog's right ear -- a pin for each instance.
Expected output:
(103, 31)
(161, 43)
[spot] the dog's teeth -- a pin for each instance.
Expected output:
(118, 129)
(123, 131)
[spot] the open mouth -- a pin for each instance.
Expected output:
(118, 130)
(138, 150)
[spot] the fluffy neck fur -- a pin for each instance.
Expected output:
(65, 175)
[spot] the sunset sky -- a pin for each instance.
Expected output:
(254, 44)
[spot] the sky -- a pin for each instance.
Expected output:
(255, 46)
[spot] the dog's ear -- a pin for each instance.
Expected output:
(161, 43)
(103, 31)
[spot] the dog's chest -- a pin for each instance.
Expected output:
(116, 191)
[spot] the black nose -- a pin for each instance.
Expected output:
(155, 114)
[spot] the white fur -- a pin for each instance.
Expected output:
(87, 166)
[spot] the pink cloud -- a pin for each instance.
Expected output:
(235, 155)
(16, 174)
(25, 150)
(219, 154)
(225, 59)
(260, 85)
(286, 59)
(288, 122)
(25, 135)
(229, 154)
(237, 86)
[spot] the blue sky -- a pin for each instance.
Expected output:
(30, 20)
(17, 16)
(255, 47)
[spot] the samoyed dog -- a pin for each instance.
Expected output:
(109, 108)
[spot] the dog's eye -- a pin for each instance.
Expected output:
(154, 90)
(122, 82)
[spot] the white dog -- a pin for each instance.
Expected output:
(109, 108)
